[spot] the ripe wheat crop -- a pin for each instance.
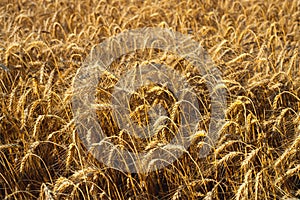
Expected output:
(255, 44)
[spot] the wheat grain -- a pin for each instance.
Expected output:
(253, 44)
(249, 158)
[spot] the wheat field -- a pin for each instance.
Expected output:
(255, 44)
